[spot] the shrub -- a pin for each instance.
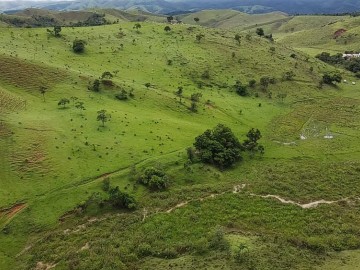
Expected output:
(121, 199)
(79, 45)
(241, 89)
(123, 95)
(217, 241)
(154, 178)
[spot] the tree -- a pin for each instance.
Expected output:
(238, 38)
(169, 19)
(123, 95)
(79, 45)
(252, 83)
(107, 75)
(260, 32)
(63, 102)
(199, 37)
(241, 89)
(179, 93)
(196, 97)
(137, 26)
(95, 86)
(154, 178)
(193, 107)
(167, 29)
(251, 143)
(288, 76)
(42, 90)
(219, 147)
(57, 30)
(80, 106)
(102, 116)
(332, 79)
(196, 19)
(120, 199)
(264, 82)
(147, 85)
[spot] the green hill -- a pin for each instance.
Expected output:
(55, 157)
(235, 20)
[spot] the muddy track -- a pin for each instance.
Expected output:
(7, 214)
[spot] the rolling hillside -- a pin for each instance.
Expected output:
(234, 20)
(300, 196)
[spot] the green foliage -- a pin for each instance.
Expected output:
(241, 89)
(154, 178)
(63, 102)
(260, 32)
(332, 78)
(196, 97)
(251, 143)
(252, 83)
(193, 106)
(219, 147)
(107, 75)
(95, 86)
(122, 95)
(121, 199)
(106, 184)
(79, 45)
(199, 37)
(102, 116)
(238, 38)
(167, 28)
(217, 240)
(288, 76)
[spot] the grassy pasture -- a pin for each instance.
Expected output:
(54, 158)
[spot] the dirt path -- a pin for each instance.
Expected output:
(303, 206)
(8, 213)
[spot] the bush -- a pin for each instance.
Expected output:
(217, 241)
(120, 199)
(218, 146)
(79, 45)
(123, 95)
(106, 184)
(241, 89)
(331, 78)
(154, 178)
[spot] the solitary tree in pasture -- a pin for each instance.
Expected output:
(63, 102)
(80, 106)
(57, 30)
(167, 29)
(196, 19)
(137, 26)
(102, 117)
(42, 90)
(79, 45)
(260, 32)
(238, 38)
(179, 93)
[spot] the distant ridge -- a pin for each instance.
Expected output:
(186, 6)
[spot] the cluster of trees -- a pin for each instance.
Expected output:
(154, 178)
(118, 198)
(261, 33)
(222, 148)
(352, 64)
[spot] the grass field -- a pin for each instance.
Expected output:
(53, 158)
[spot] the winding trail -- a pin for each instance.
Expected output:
(303, 206)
